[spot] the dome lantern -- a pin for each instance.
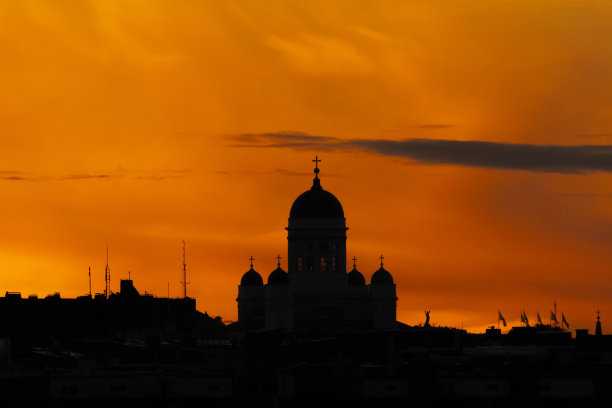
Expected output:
(316, 202)
(251, 277)
(381, 276)
(355, 278)
(278, 276)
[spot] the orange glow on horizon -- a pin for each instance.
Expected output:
(116, 124)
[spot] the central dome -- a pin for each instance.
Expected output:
(316, 203)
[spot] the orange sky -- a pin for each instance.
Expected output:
(120, 124)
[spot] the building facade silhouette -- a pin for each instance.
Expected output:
(317, 291)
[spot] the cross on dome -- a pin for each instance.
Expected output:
(251, 259)
(316, 162)
(381, 260)
(354, 264)
(278, 258)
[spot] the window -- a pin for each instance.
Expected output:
(323, 264)
(299, 264)
(309, 262)
(334, 264)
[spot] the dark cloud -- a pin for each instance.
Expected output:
(539, 158)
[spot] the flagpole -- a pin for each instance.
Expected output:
(562, 324)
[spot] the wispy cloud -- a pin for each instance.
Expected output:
(12, 175)
(282, 172)
(435, 126)
(591, 135)
(295, 140)
(586, 195)
(530, 157)
(25, 176)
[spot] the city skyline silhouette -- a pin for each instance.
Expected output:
(314, 334)
(468, 143)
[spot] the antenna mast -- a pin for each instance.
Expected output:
(184, 282)
(90, 281)
(107, 277)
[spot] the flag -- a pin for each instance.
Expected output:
(553, 317)
(524, 318)
(563, 320)
(539, 319)
(500, 317)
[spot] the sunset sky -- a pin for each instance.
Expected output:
(470, 142)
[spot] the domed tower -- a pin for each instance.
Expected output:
(279, 300)
(384, 299)
(358, 296)
(317, 243)
(251, 295)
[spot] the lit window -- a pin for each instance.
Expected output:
(323, 264)
(299, 265)
(334, 264)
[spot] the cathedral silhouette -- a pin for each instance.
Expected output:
(317, 291)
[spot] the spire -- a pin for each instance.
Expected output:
(107, 290)
(316, 182)
(184, 282)
(598, 326)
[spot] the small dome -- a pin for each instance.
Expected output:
(251, 278)
(316, 203)
(382, 277)
(278, 277)
(355, 278)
